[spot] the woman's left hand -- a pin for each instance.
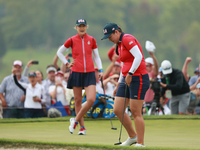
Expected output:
(128, 79)
(100, 75)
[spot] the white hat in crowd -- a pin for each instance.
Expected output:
(17, 62)
(117, 64)
(166, 67)
(149, 60)
(51, 69)
(59, 72)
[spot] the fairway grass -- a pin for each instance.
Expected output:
(160, 133)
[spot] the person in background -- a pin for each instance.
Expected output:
(112, 52)
(99, 88)
(50, 80)
(194, 106)
(82, 72)
(175, 81)
(12, 97)
(26, 68)
(110, 83)
(194, 100)
(38, 73)
(194, 80)
(35, 96)
(40, 76)
(185, 68)
(29, 64)
(152, 69)
(133, 80)
(58, 91)
(115, 65)
(66, 77)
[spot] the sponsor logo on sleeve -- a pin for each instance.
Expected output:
(131, 42)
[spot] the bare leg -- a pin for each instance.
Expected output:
(118, 110)
(78, 102)
(136, 109)
(91, 96)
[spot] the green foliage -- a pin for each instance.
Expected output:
(191, 35)
(2, 45)
(177, 21)
(173, 25)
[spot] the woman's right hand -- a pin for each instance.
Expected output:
(128, 79)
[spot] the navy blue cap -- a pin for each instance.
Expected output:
(196, 70)
(81, 21)
(32, 74)
(109, 29)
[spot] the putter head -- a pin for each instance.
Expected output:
(118, 143)
(113, 128)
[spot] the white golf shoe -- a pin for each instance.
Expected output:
(129, 141)
(139, 145)
(72, 125)
(82, 131)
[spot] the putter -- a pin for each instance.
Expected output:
(113, 128)
(126, 91)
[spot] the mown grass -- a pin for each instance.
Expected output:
(162, 132)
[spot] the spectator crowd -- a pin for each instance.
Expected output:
(26, 94)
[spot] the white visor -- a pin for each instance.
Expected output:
(51, 69)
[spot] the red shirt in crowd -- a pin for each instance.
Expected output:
(111, 52)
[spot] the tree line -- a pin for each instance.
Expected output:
(173, 26)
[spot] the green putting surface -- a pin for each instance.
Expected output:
(159, 132)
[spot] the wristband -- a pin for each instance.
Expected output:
(100, 70)
(130, 73)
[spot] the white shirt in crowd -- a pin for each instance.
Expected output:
(38, 91)
(99, 89)
(61, 96)
(110, 88)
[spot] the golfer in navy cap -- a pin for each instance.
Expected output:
(134, 75)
